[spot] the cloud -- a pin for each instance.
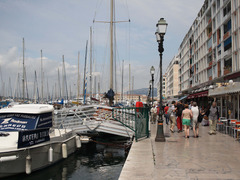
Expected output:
(62, 27)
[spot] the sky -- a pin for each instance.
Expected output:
(61, 27)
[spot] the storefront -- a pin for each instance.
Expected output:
(227, 98)
(201, 98)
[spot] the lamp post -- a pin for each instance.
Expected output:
(152, 71)
(161, 31)
(150, 88)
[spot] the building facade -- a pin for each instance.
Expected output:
(209, 53)
(172, 78)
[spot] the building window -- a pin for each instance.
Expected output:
(227, 66)
(209, 43)
(209, 72)
(218, 19)
(214, 24)
(209, 59)
(234, 4)
(236, 62)
(236, 42)
(227, 9)
(227, 27)
(218, 4)
(215, 71)
(228, 43)
(214, 37)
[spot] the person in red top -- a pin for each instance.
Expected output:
(139, 104)
(166, 114)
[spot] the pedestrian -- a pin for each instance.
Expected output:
(172, 116)
(166, 114)
(180, 108)
(213, 116)
(195, 114)
(186, 119)
(153, 114)
(190, 105)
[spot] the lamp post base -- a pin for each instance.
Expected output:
(160, 134)
(160, 139)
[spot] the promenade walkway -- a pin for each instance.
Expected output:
(206, 157)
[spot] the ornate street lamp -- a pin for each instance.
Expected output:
(152, 72)
(149, 92)
(161, 31)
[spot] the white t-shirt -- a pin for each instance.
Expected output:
(195, 112)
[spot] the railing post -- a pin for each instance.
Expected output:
(136, 125)
(147, 119)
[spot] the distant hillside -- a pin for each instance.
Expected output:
(143, 91)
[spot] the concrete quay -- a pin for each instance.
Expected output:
(207, 157)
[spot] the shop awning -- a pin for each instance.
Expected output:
(197, 95)
(231, 88)
(182, 98)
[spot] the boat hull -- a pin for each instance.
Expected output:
(39, 156)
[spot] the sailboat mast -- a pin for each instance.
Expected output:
(47, 91)
(59, 85)
(25, 75)
(78, 81)
(129, 87)
(23, 79)
(132, 86)
(63, 83)
(35, 87)
(84, 79)
(41, 78)
(111, 45)
(90, 65)
(10, 87)
(122, 79)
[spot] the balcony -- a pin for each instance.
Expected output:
(227, 71)
(226, 35)
(210, 35)
(209, 21)
(227, 52)
(210, 49)
(210, 63)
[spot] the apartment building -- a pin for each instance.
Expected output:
(209, 53)
(172, 78)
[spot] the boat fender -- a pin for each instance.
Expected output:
(50, 155)
(64, 150)
(78, 142)
(28, 164)
(8, 158)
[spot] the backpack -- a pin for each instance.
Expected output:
(169, 112)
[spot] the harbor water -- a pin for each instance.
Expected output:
(92, 161)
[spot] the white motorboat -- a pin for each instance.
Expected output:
(28, 143)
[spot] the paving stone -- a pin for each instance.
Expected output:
(206, 157)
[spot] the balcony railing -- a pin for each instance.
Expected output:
(227, 71)
(226, 35)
